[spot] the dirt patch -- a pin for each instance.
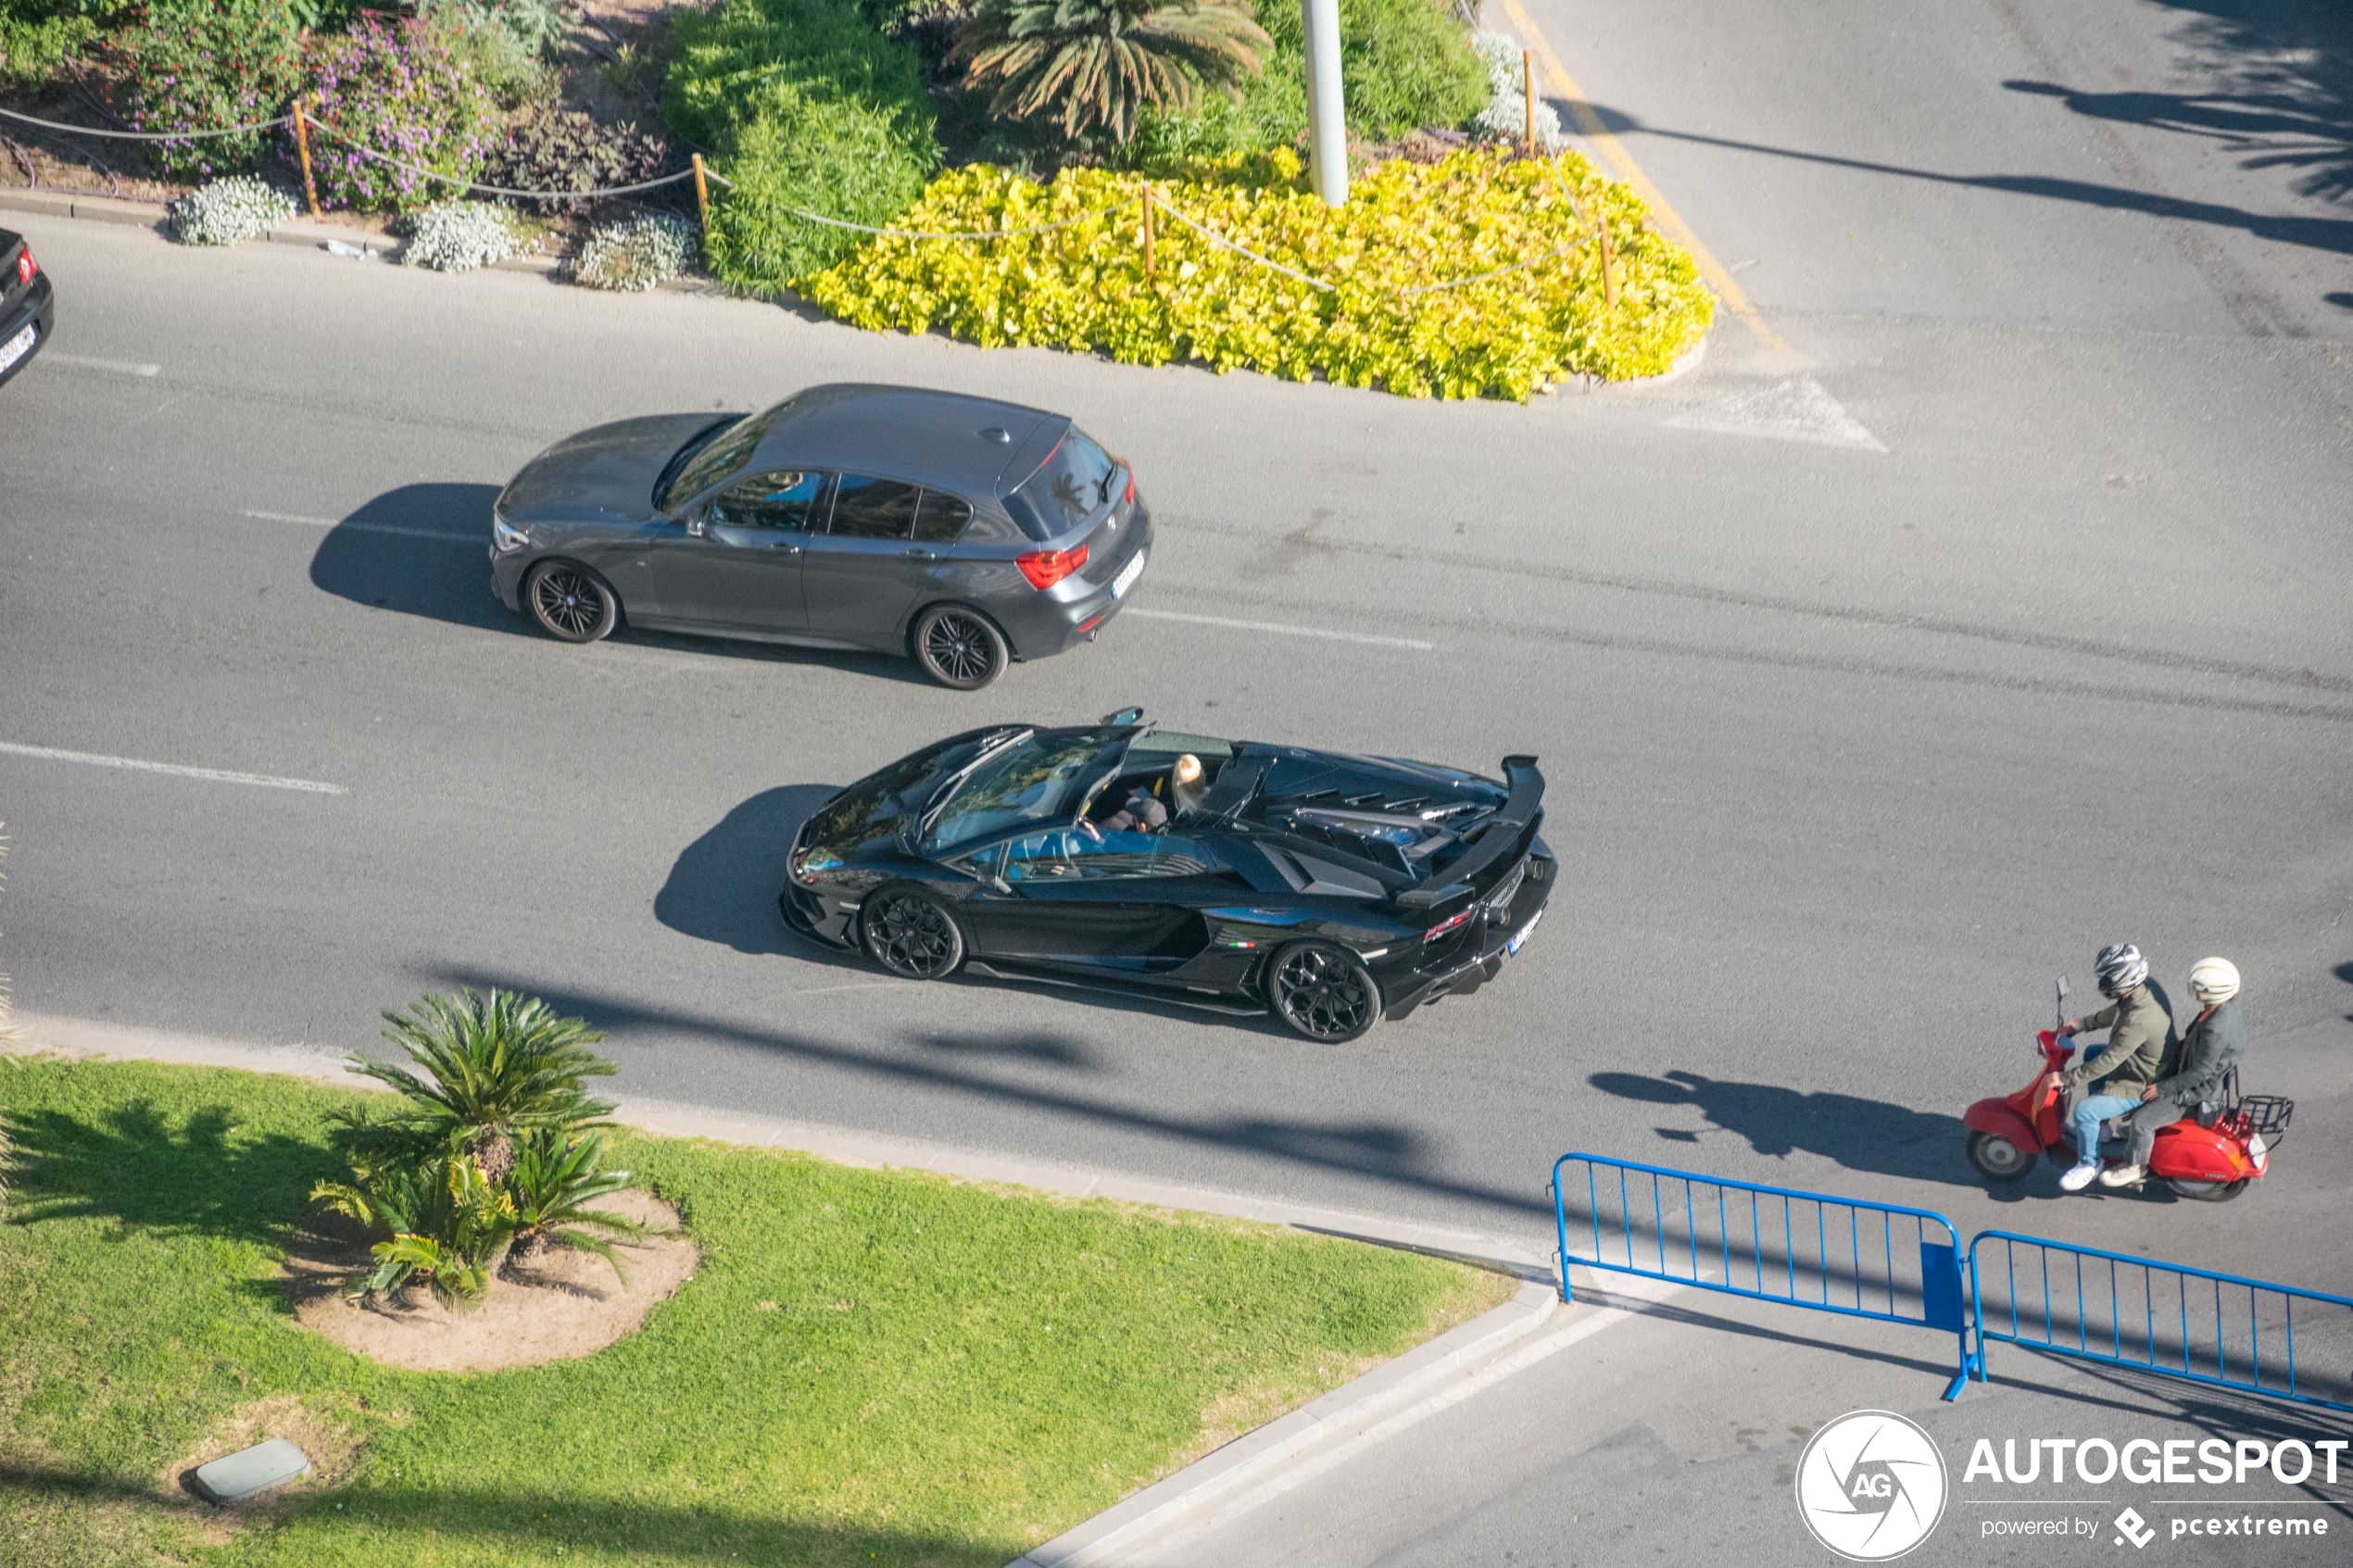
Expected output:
(325, 1440)
(562, 1304)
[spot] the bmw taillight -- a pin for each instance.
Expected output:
(26, 265)
(1046, 568)
(1130, 497)
(1451, 923)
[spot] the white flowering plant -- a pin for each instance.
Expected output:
(1505, 117)
(224, 211)
(460, 236)
(637, 253)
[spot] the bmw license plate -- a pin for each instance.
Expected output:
(22, 344)
(1519, 938)
(1127, 575)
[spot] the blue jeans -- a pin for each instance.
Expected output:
(2093, 1111)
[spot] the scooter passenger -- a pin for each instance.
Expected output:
(2210, 1048)
(2140, 1046)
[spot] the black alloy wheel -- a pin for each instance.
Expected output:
(571, 603)
(1323, 992)
(960, 649)
(911, 934)
(1997, 1158)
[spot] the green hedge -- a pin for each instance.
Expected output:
(803, 105)
(1404, 65)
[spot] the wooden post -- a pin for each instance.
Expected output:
(1609, 280)
(702, 199)
(1528, 98)
(1148, 230)
(302, 147)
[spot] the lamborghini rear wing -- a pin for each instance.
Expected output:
(1502, 838)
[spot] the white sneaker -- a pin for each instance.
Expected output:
(2077, 1178)
(2122, 1176)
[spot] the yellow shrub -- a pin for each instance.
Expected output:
(1405, 226)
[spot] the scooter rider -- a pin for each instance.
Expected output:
(2210, 1048)
(2140, 1046)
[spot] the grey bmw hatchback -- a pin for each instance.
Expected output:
(961, 531)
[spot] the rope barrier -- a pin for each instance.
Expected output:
(982, 235)
(368, 152)
(1214, 235)
(923, 234)
(150, 135)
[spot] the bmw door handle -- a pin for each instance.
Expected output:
(919, 554)
(786, 545)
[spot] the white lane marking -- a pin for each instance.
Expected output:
(392, 527)
(1794, 409)
(1287, 629)
(116, 366)
(215, 775)
(834, 990)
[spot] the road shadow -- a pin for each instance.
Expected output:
(722, 888)
(1860, 1135)
(1387, 1151)
(2332, 235)
(2284, 71)
(424, 551)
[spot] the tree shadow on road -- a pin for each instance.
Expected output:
(1860, 1135)
(1386, 1151)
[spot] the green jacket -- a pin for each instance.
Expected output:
(2142, 1046)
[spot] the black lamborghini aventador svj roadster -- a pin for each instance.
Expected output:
(1332, 889)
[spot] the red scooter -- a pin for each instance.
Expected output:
(2210, 1155)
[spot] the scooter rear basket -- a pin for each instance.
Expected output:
(2267, 1115)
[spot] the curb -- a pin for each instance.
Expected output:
(308, 234)
(1389, 1387)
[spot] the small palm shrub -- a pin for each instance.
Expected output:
(637, 253)
(450, 1225)
(557, 1180)
(501, 1065)
(495, 1152)
(222, 212)
(1094, 66)
(460, 236)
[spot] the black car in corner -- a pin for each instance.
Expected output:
(28, 306)
(1331, 890)
(961, 531)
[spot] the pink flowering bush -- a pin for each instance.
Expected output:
(399, 90)
(182, 68)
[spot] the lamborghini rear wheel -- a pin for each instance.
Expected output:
(1323, 992)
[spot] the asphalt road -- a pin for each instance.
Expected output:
(1991, 608)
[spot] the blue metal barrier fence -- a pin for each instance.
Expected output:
(2164, 1318)
(1892, 1264)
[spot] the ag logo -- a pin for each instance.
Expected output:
(1871, 1486)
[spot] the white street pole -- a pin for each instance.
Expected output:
(1326, 115)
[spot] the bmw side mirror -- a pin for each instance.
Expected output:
(698, 525)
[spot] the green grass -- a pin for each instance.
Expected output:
(868, 1368)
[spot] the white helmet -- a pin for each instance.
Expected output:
(2214, 979)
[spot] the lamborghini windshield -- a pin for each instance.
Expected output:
(1042, 777)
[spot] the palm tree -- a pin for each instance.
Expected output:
(501, 1066)
(555, 1179)
(1097, 63)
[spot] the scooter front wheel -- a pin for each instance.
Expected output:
(1997, 1158)
(2208, 1192)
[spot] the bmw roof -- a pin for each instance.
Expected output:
(978, 445)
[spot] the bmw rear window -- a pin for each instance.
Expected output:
(1069, 487)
